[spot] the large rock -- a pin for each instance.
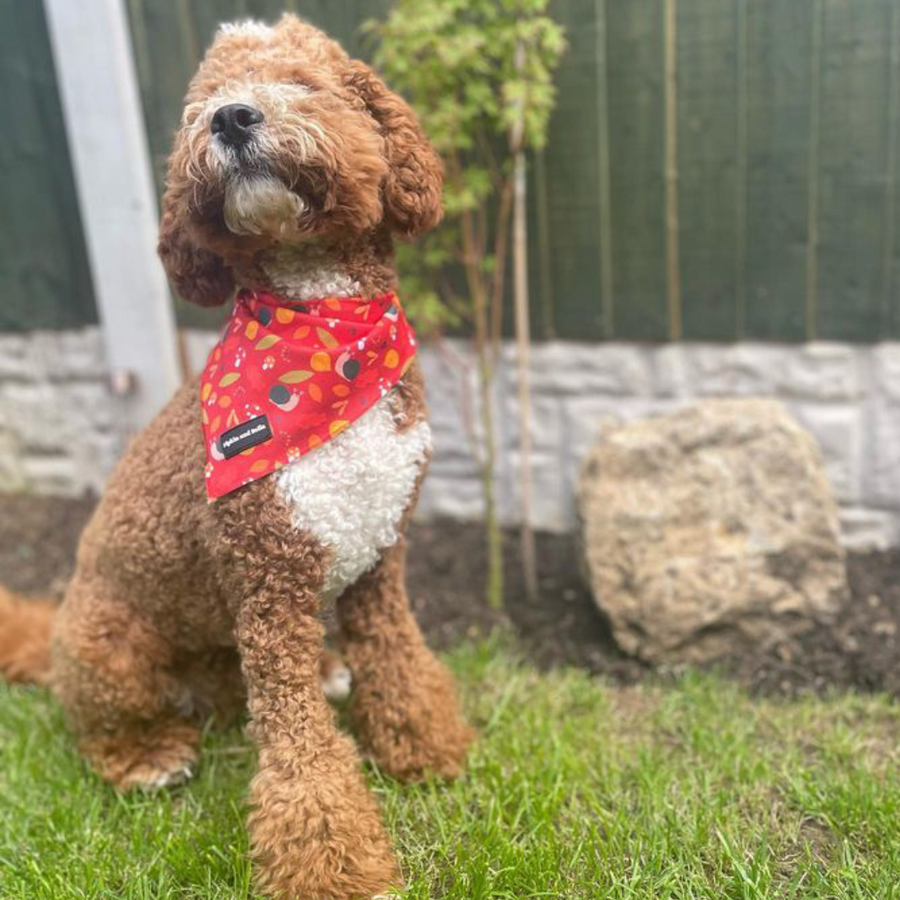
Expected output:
(710, 531)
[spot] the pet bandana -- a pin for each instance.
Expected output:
(286, 376)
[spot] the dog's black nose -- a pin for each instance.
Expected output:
(235, 121)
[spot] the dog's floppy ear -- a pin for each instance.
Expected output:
(412, 191)
(199, 275)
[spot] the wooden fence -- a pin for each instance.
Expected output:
(44, 276)
(723, 169)
(717, 169)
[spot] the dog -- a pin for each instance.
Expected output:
(293, 168)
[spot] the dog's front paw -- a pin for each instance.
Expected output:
(317, 833)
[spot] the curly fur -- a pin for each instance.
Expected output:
(25, 638)
(347, 494)
(179, 608)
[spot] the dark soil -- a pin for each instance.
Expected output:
(447, 568)
(38, 538)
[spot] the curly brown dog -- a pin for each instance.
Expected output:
(180, 607)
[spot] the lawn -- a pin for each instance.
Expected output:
(576, 789)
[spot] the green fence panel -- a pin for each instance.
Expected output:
(44, 277)
(564, 225)
(636, 127)
(540, 255)
(708, 205)
(852, 178)
(778, 89)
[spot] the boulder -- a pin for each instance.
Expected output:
(710, 531)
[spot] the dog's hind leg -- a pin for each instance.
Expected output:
(146, 755)
(404, 703)
(111, 671)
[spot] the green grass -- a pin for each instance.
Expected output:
(576, 789)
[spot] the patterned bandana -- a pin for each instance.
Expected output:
(286, 376)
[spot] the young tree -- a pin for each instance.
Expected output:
(479, 74)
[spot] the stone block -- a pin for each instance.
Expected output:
(94, 407)
(881, 473)
(670, 371)
(38, 415)
(865, 529)
(570, 369)
(821, 371)
(459, 498)
(68, 355)
(552, 503)
(837, 430)
(737, 370)
(886, 370)
(17, 358)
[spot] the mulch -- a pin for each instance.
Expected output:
(559, 627)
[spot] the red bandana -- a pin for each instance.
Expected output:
(286, 376)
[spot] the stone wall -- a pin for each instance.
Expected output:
(59, 434)
(58, 423)
(848, 396)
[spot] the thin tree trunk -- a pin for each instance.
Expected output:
(480, 304)
(494, 534)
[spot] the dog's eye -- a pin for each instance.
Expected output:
(298, 87)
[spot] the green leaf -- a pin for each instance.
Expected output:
(295, 376)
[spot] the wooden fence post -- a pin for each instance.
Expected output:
(108, 145)
(673, 225)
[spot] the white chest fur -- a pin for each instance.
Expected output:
(351, 492)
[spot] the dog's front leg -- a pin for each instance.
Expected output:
(404, 702)
(316, 831)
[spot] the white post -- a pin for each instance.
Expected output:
(107, 141)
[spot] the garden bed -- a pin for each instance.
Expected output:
(38, 537)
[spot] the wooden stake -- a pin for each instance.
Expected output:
(890, 173)
(740, 196)
(672, 237)
(604, 202)
(523, 341)
(811, 301)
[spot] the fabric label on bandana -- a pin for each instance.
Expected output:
(286, 376)
(241, 437)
